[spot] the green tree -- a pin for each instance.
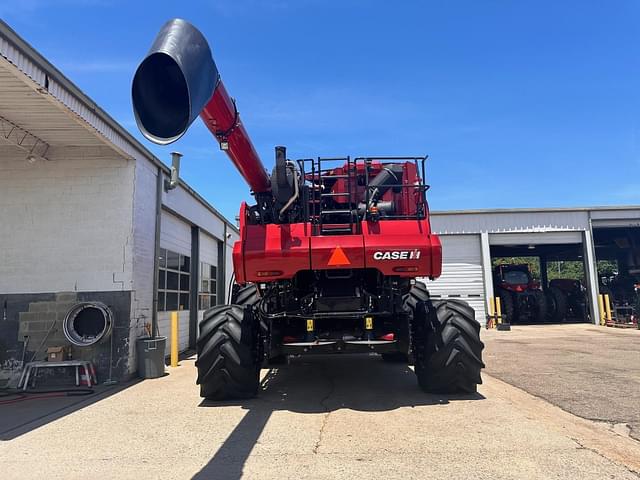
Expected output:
(607, 268)
(573, 269)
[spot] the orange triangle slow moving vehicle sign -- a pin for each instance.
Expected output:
(338, 257)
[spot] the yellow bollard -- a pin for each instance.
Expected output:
(607, 306)
(174, 339)
(603, 320)
(498, 310)
(492, 313)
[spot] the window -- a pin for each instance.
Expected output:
(208, 286)
(516, 277)
(173, 281)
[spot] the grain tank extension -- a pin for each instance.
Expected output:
(329, 254)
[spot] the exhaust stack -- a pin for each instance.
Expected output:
(179, 81)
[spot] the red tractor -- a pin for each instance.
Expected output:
(521, 297)
(328, 255)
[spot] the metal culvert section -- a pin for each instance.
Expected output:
(87, 323)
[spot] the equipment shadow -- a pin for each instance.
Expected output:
(319, 384)
(22, 413)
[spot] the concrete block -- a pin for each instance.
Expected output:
(63, 308)
(28, 317)
(37, 327)
(22, 330)
(48, 317)
(66, 297)
(40, 306)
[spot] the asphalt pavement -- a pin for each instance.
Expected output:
(590, 371)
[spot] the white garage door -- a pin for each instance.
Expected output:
(208, 273)
(175, 238)
(461, 272)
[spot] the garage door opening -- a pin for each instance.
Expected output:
(618, 264)
(541, 283)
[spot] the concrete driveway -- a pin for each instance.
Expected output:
(320, 418)
(590, 371)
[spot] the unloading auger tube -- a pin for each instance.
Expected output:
(328, 258)
(179, 81)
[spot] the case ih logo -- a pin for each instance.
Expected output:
(397, 255)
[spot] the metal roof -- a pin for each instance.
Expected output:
(532, 220)
(536, 210)
(30, 106)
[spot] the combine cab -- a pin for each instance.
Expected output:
(521, 298)
(329, 254)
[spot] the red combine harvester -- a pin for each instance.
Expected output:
(329, 254)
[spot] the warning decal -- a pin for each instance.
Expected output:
(338, 257)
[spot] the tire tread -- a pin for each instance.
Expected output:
(447, 346)
(227, 367)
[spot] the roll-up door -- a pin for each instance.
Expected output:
(462, 276)
(175, 278)
(207, 294)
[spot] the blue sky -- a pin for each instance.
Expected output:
(518, 103)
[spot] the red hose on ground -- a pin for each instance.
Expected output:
(23, 396)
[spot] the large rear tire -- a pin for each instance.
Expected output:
(507, 306)
(228, 354)
(556, 305)
(417, 294)
(449, 358)
(414, 301)
(245, 295)
(540, 307)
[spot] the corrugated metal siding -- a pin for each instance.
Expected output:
(21, 61)
(535, 238)
(34, 112)
(603, 223)
(462, 275)
(88, 114)
(616, 219)
(543, 221)
(631, 213)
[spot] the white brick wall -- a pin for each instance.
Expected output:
(87, 223)
(65, 225)
(144, 225)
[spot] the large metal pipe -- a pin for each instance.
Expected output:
(177, 82)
